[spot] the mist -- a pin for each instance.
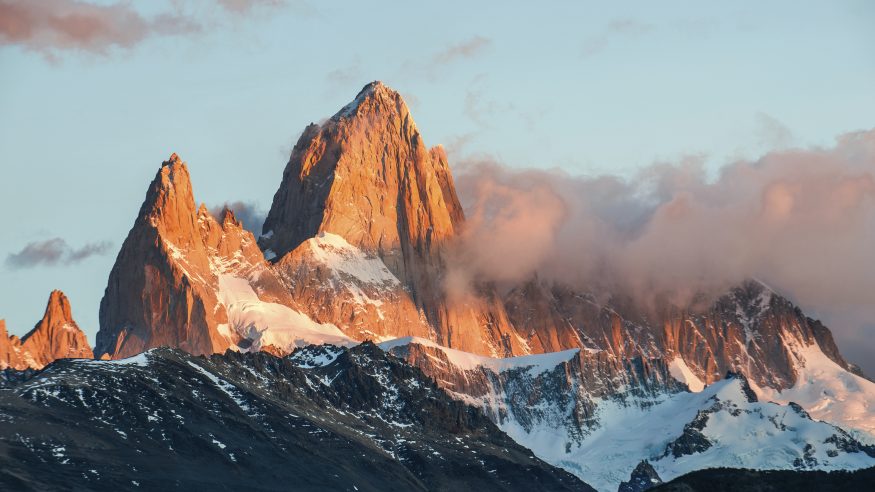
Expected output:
(801, 220)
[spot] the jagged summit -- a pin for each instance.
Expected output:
(58, 308)
(162, 288)
(367, 177)
(173, 159)
(55, 336)
(374, 96)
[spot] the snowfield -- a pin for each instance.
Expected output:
(267, 323)
(536, 364)
(828, 392)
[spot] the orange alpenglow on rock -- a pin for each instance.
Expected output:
(366, 176)
(356, 246)
(357, 234)
(162, 288)
(56, 336)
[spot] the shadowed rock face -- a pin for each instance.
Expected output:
(55, 336)
(324, 418)
(644, 477)
(740, 480)
(748, 330)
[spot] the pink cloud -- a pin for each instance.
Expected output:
(801, 220)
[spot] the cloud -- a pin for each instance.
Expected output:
(465, 49)
(801, 220)
(50, 27)
(245, 6)
(772, 134)
(52, 252)
(430, 67)
(249, 213)
(350, 74)
(482, 109)
(617, 29)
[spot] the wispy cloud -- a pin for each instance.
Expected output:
(50, 27)
(466, 49)
(431, 66)
(771, 133)
(482, 109)
(249, 213)
(53, 252)
(55, 25)
(616, 30)
(246, 6)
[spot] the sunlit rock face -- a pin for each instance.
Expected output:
(163, 288)
(55, 336)
(366, 176)
(356, 246)
(750, 329)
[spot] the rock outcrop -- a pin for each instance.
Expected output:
(643, 477)
(366, 175)
(55, 336)
(162, 290)
(751, 330)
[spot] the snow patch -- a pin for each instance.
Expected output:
(679, 370)
(267, 323)
(828, 392)
(337, 254)
(536, 364)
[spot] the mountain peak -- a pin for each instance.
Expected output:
(367, 176)
(58, 308)
(375, 96)
(169, 206)
(228, 217)
(173, 159)
(56, 336)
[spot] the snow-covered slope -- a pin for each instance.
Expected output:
(828, 392)
(554, 405)
(718, 427)
(268, 324)
(683, 374)
(534, 364)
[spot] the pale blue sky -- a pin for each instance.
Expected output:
(586, 87)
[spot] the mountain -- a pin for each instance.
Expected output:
(163, 289)
(366, 176)
(740, 480)
(324, 418)
(596, 416)
(356, 247)
(55, 336)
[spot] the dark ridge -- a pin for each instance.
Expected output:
(741, 480)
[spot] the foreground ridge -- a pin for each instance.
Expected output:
(323, 418)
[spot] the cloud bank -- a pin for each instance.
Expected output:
(52, 252)
(802, 221)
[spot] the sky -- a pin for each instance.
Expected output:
(94, 95)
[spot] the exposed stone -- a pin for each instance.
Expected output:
(55, 336)
(367, 176)
(643, 477)
(162, 288)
